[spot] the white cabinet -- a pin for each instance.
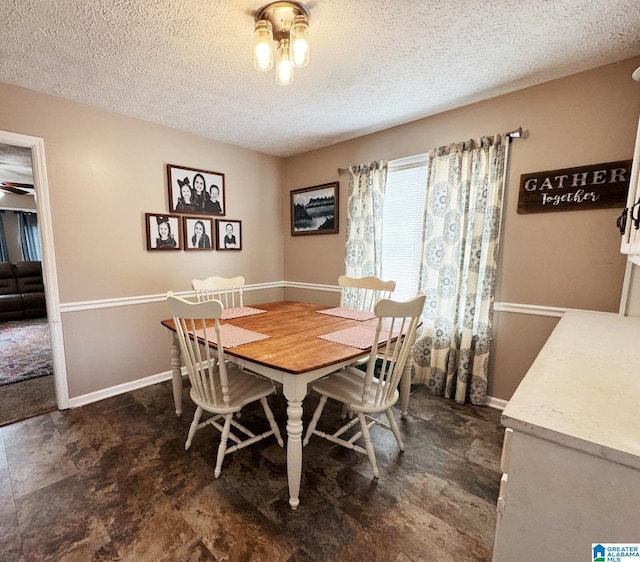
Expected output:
(630, 218)
(571, 457)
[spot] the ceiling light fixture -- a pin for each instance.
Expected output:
(286, 23)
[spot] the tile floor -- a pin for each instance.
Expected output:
(112, 481)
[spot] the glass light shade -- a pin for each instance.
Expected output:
(284, 64)
(262, 53)
(300, 41)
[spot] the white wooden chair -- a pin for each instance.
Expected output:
(226, 290)
(363, 292)
(372, 392)
(217, 387)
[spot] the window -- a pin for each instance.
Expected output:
(402, 224)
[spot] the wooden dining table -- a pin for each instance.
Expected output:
(292, 355)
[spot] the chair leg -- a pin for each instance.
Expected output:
(193, 428)
(222, 448)
(394, 428)
(272, 421)
(314, 420)
(366, 436)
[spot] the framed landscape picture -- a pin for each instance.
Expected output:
(163, 232)
(195, 191)
(198, 233)
(314, 210)
(228, 234)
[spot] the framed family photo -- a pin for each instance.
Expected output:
(228, 234)
(198, 233)
(195, 191)
(163, 232)
(314, 210)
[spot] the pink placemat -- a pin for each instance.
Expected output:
(240, 311)
(356, 336)
(232, 336)
(348, 313)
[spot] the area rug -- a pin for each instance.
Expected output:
(26, 399)
(25, 350)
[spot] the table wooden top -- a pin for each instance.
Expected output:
(293, 345)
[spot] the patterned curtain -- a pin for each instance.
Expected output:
(29, 238)
(465, 182)
(363, 253)
(4, 251)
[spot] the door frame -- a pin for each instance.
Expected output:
(49, 271)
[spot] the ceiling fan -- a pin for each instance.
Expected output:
(17, 188)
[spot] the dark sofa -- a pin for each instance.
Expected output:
(21, 291)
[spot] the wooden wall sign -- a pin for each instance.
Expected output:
(600, 186)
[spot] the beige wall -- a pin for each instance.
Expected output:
(565, 259)
(104, 172)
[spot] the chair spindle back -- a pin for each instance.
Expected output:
(227, 290)
(362, 293)
(207, 370)
(399, 319)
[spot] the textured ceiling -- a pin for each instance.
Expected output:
(188, 64)
(15, 164)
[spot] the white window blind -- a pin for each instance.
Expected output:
(402, 225)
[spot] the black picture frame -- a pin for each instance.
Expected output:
(228, 228)
(202, 202)
(156, 240)
(314, 210)
(207, 239)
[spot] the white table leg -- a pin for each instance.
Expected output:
(294, 391)
(405, 387)
(176, 375)
(294, 451)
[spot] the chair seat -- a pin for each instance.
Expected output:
(346, 387)
(244, 388)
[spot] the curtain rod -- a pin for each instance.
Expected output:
(515, 134)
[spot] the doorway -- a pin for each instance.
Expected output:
(49, 272)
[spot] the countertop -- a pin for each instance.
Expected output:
(583, 389)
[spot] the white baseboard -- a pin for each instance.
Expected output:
(120, 389)
(497, 403)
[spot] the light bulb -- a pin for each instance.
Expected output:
(263, 60)
(284, 69)
(300, 41)
(285, 72)
(262, 53)
(300, 49)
